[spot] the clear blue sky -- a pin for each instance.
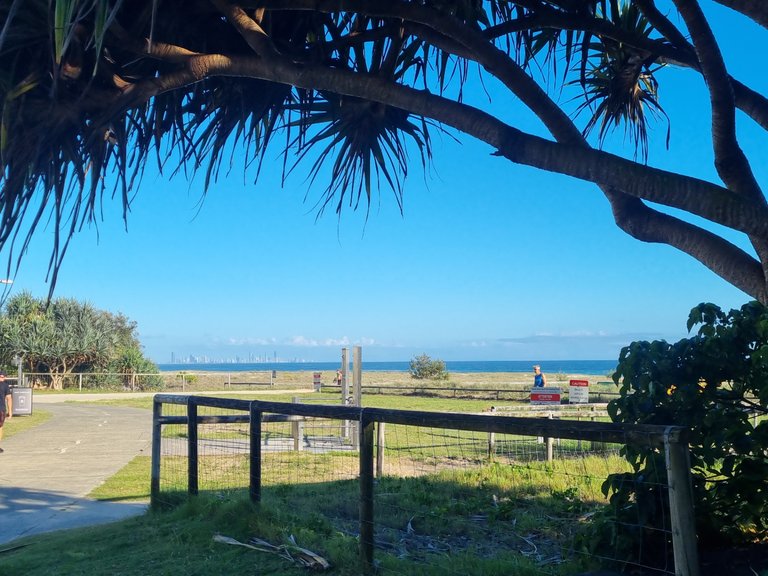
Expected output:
(489, 261)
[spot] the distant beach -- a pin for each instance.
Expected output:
(602, 368)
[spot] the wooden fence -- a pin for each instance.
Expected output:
(368, 423)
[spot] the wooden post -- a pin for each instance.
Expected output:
(297, 428)
(192, 447)
(357, 374)
(157, 439)
(366, 494)
(550, 444)
(380, 446)
(357, 377)
(254, 484)
(344, 390)
(491, 446)
(681, 508)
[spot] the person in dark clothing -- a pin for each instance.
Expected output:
(6, 403)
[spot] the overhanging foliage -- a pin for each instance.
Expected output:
(93, 90)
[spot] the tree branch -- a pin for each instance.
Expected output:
(757, 10)
(670, 189)
(722, 257)
(731, 163)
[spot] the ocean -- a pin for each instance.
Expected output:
(589, 367)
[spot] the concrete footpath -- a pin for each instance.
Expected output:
(46, 472)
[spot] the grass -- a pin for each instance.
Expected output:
(472, 517)
(22, 423)
(484, 520)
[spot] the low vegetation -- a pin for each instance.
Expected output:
(425, 368)
(714, 384)
(490, 520)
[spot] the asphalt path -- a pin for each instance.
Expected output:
(47, 472)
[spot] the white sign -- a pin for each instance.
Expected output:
(578, 392)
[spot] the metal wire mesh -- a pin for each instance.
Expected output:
(452, 500)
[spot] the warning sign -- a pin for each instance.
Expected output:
(545, 395)
(578, 392)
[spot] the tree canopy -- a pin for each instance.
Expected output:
(65, 335)
(94, 90)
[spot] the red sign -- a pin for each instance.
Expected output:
(545, 396)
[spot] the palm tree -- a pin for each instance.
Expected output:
(93, 90)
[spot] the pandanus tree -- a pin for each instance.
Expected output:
(94, 90)
(63, 335)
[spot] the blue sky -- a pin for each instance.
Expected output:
(489, 261)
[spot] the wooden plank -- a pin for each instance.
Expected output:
(681, 509)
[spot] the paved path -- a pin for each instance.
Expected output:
(46, 472)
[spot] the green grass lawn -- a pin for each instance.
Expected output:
(482, 521)
(486, 519)
(22, 423)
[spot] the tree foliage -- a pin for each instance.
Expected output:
(425, 368)
(64, 335)
(93, 90)
(715, 383)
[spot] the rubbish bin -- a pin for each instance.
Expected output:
(22, 401)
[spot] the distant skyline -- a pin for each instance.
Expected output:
(490, 260)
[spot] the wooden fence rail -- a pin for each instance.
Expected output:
(671, 440)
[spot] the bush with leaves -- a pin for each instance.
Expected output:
(424, 368)
(715, 383)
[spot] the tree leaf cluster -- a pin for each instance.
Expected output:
(423, 367)
(715, 383)
(65, 335)
(94, 91)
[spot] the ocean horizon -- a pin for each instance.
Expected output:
(589, 367)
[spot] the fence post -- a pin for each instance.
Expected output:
(365, 427)
(491, 446)
(254, 484)
(681, 507)
(157, 429)
(297, 430)
(192, 447)
(344, 390)
(380, 445)
(357, 386)
(550, 444)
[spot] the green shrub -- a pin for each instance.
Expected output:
(715, 384)
(424, 368)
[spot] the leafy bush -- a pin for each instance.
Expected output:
(715, 384)
(424, 368)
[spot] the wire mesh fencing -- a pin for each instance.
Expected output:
(423, 492)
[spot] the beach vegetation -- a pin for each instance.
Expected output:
(63, 335)
(715, 383)
(425, 368)
(92, 92)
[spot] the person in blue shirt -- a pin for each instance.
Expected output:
(539, 380)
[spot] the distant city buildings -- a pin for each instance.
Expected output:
(252, 358)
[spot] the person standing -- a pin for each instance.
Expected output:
(539, 380)
(6, 403)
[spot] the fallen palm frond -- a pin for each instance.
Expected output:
(291, 552)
